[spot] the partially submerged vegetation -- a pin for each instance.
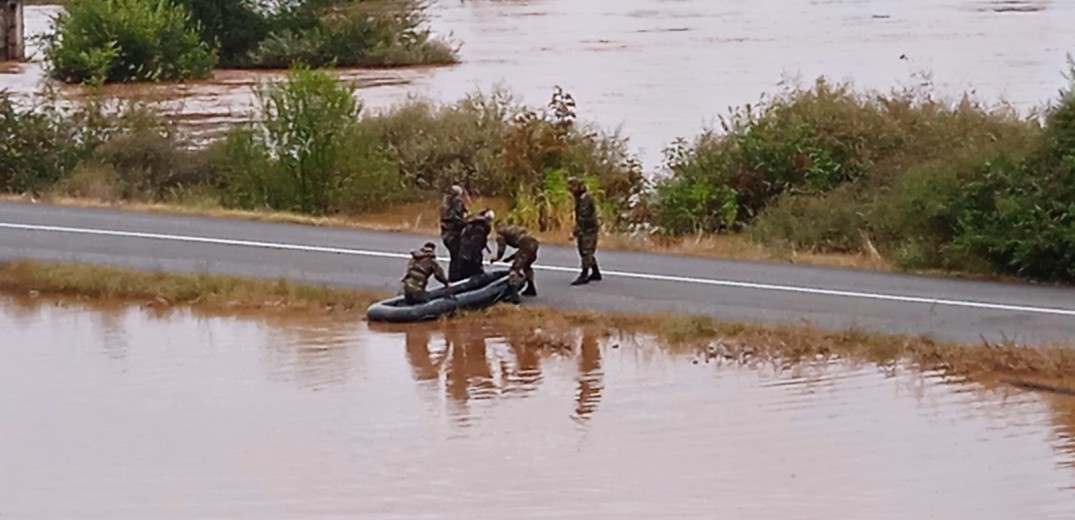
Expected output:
(712, 340)
(109, 41)
(823, 174)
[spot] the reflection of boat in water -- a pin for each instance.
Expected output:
(475, 292)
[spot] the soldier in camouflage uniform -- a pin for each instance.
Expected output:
(453, 217)
(585, 233)
(423, 264)
(526, 249)
(473, 243)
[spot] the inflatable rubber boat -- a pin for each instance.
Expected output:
(475, 292)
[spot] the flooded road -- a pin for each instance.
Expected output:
(664, 69)
(120, 412)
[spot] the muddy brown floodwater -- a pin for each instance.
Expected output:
(114, 412)
(663, 69)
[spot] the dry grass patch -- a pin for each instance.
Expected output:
(166, 289)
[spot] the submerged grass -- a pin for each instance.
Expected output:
(1050, 367)
(1046, 367)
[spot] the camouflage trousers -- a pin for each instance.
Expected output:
(414, 294)
(525, 257)
(451, 243)
(587, 244)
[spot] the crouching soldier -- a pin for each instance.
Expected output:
(423, 264)
(522, 261)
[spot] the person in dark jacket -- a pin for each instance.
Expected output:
(453, 217)
(585, 233)
(422, 265)
(522, 260)
(473, 243)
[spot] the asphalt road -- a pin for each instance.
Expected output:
(634, 282)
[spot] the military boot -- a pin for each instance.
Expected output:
(595, 274)
(531, 290)
(583, 278)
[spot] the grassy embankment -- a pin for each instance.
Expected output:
(1046, 367)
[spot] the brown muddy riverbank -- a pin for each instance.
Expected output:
(111, 411)
(664, 69)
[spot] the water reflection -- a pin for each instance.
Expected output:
(477, 364)
(590, 378)
(281, 415)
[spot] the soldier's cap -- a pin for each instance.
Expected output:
(429, 245)
(488, 214)
(457, 189)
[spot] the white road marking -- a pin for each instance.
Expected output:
(623, 274)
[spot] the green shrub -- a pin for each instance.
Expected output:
(812, 141)
(499, 148)
(149, 163)
(435, 145)
(688, 201)
(1021, 216)
(1005, 205)
(307, 154)
(351, 33)
(828, 222)
(38, 146)
(1022, 220)
(126, 40)
(234, 28)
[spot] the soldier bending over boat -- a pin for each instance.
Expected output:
(522, 260)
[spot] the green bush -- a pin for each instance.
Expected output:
(688, 201)
(149, 162)
(1022, 216)
(37, 146)
(234, 28)
(812, 141)
(435, 145)
(828, 222)
(1003, 204)
(308, 153)
(499, 148)
(351, 33)
(126, 40)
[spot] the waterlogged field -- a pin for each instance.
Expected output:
(118, 411)
(663, 69)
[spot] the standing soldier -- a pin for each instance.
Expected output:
(585, 232)
(422, 265)
(453, 217)
(522, 260)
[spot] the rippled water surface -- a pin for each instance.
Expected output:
(121, 412)
(664, 68)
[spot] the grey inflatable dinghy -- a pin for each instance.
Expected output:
(475, 292)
